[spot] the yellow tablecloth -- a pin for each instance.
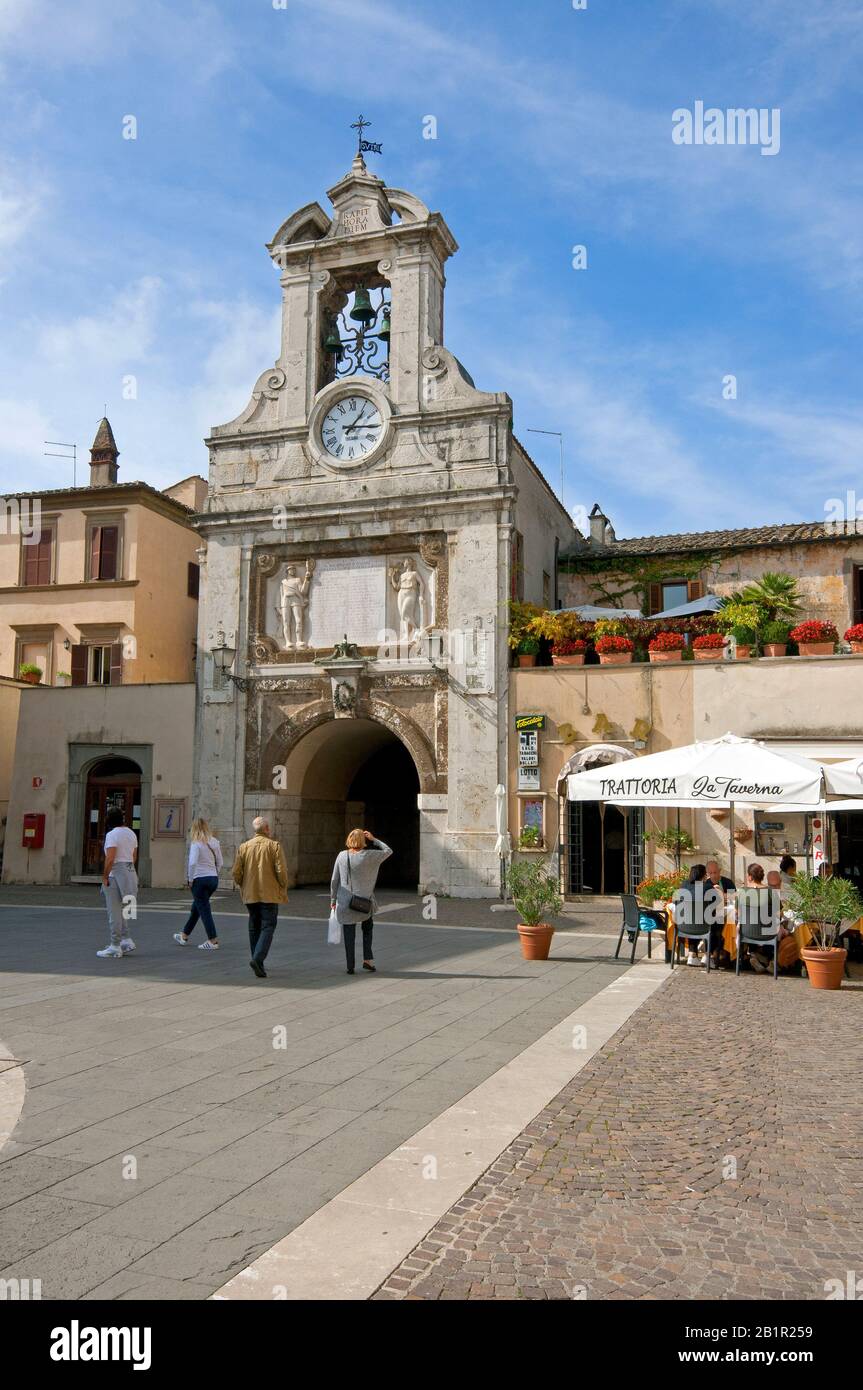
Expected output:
(802, 934)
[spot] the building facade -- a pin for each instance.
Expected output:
(369, 516)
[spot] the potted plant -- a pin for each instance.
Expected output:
(815, 638)
(657, 890)
(776, 595)
(526, 651)
(823, 904)
(709, 647)
(64, 678)
(530, 837)
(854, 635)
(774, 636)
(742, 621)
(30, 673)
(614, 651)
(569, 651)
(536, 896)
(672, 841)
(666, 646)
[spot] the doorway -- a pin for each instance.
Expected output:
(112, 784)
(849, 836)
(596, 848)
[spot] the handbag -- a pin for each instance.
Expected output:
(355, 903)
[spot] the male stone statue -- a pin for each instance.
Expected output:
(411, 599)
(293, 603)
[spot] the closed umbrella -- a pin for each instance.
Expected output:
(503, 844)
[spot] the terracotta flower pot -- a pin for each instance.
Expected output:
(574, 659)
(743, 654)
(775, 648)
(816, 648)
(31, 678)
(709, 653)
(825, 968)
(527, 658)
(657, 657)
(857, 648)
(615, 658)
(535, 941)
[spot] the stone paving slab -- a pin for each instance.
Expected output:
(167, 1057)
(711, 1150)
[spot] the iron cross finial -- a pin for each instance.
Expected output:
(359, 126)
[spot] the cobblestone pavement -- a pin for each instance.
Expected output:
(712, 1150)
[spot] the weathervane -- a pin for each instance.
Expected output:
(364, 146)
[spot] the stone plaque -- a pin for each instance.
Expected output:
(348, 596)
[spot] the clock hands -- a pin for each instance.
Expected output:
(356, 424)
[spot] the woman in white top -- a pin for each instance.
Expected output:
(205, 861)
(119, 882)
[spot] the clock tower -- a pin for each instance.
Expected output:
(357, 557)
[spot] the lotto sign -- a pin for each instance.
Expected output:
(529, 721)
(528, 749)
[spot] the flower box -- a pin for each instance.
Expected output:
(614, 651)
(815, 638)
(666, 646)
(568, 652)
(854, 635)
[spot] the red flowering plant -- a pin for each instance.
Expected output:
(605, 645)
(814, 631)
(855, 633)
(711, 641)
(667, 642)
(569, 646)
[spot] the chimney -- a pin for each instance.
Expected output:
(598, 524)
(103, 456)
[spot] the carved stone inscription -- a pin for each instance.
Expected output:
(349, 596)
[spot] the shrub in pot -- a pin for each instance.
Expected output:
(536, 896)
(854, 635)
(614, 651)
(823, 904)
(658, 889)
(527, 650)
(521, 619)
(745, 639)
(666, 646)
(775, 638)
(30, 673)
(568, 651)
(530, 837)
(815, 638)
(742, 620)
(709, 647)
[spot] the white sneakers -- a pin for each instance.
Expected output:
(693, 959)
(125, 948)
(209, 945)
(180, 939)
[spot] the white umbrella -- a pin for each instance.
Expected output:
(846, 778)
(720, 772)
(503, 843)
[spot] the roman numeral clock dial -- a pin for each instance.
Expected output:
(352, 428)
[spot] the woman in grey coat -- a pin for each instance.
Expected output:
(355, 874)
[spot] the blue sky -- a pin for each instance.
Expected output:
(147, 257)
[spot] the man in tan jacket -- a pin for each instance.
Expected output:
(262, 877)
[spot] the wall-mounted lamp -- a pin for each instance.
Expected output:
(66, 644)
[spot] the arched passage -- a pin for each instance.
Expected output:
(344, 773)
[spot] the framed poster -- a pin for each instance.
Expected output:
(169, 818)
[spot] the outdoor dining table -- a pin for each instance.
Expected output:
(802, 932)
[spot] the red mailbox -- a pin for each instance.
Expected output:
(34, 830)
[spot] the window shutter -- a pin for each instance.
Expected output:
(696, 589)
(116, 663)
(95, 551)
(31, 564)
(44, 559)
(79, 664)
(193, 582)
(109, 549)
(655, 598)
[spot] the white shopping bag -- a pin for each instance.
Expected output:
(334, 931)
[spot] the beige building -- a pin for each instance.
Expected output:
(98, 593)
(650, 574)
(78, 753)
(612, 713)
(99, 584)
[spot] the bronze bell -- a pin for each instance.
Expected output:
(332, 341)
(362, 310)
(384, 334)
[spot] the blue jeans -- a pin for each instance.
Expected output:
(202, 891)
(262, 925)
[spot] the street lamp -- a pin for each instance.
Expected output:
(559, 437)
(223, 654)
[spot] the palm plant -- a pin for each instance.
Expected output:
(777, 595)
(825, 903)
(534, 892)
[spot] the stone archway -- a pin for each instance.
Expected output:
(343, 773)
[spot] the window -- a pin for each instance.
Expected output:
(98, 663)
(37, 564)
(671, 593)
(34, 653)
(104, 552)
(193, 582)
(546, 590)
(857, 602)
(516, 590)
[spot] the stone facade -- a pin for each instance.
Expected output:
(364, 587)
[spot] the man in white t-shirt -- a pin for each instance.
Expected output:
(119, 882)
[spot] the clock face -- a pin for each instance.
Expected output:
(352, 428)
